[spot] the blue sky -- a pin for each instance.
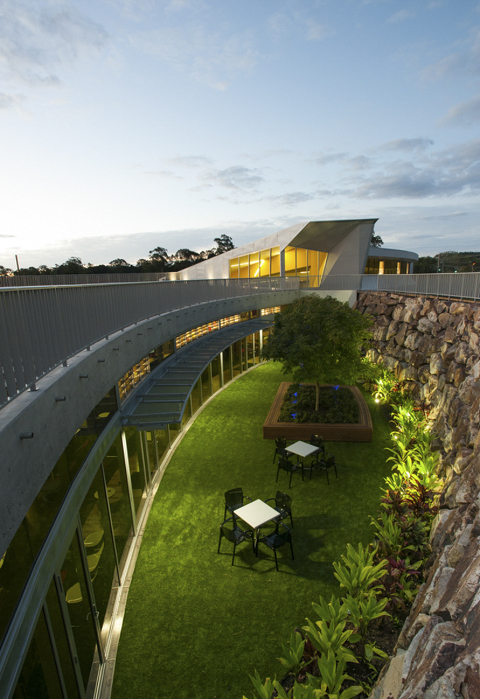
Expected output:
(131, 124)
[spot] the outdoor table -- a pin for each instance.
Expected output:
(302, 449)
(255, 514)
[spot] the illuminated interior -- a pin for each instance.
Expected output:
(266, 263)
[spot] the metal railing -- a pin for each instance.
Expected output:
(74, 279)
(42, 327)
(464, 285)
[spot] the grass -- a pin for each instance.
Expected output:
(197, 627)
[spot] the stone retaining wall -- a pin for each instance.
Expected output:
(433, 347)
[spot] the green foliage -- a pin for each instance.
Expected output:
(320, 340)
(390, 535)
(359, 574)
(335, 405)
(330, 637)
(294, 653)
(365, 609)
(332, 676)
(387, 388)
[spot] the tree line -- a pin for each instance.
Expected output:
(449, 261)
(158, 261)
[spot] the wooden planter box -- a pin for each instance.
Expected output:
(358, 432)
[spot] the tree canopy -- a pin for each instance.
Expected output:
(319, 340)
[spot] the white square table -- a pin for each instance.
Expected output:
(255, 514)
(302, 449)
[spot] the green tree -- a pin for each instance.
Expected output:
(224, 243)
(376, 241)
(425, 265)
(319, 340)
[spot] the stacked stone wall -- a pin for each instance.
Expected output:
(433, 347)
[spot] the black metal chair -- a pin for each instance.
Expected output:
(233, 500)
(323, 465)
(234, 535)
(280, 446)
(283, 505)
(276, 540)
(317, 441)
(288, 467)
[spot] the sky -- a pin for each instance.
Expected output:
(131, 124)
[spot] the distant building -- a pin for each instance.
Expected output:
(307, 250)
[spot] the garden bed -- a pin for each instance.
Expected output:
(356, 432)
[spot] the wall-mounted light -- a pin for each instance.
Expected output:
(26, 435)
(83, 376)
(60, 399)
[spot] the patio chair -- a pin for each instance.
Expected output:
(277, 539)
(280, 446)
(233, 500)
(283, 505)
(288, 467)
(234, 535)
(323, 465)
(319, 442)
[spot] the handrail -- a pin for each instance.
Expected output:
(42, 327)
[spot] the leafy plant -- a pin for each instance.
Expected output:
(294, 653)
(359, 572)
(330, 637)
(332, 676)
(363, 610)
(390, 535)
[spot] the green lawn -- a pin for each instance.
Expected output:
(197, 627)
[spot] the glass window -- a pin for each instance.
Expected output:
(39, 677)
(160, 354)
(197, 396)
(275, 262)
(243, 267)
(249, 349)
(265, 263)
(372, 266)
(206, 386)
(119, 501)
(61, 642)
(302, 268)
(14, 569)
(254, 259)
(390, 267)
(79, 609)
(227, 373)
(97, 539)
(290, 269)
(256, 358)
(234, 268)
(237, 357)
(162, 443)
(216, 373)
(187, 414)
(137, 473)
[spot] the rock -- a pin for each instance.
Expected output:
(459, 376)
(469, 390)
(441, 382)
(445, 319)
(474, 342)
(392, 329)
(390, 683)
(457, 550)
(380, 333)
(450, 334)
(432, 316)
(460, 308)
(400, 335)
(438, 647)
(425, 325)
(436, 364)
(408, 373)
(462, 459)
(461, 353)
(412, 340)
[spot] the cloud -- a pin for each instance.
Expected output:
(359, 162)
(37, 37)
(165, 174)
(407, 144)
(316, 31)
(10, 101)
(452, 171)
(191, 161)
(400, 16)
(293, 198)
(459, 63)
(210, 58)
(236, 177)
(463, 114)
(327, 158)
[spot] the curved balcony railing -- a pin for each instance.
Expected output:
(42, 327)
